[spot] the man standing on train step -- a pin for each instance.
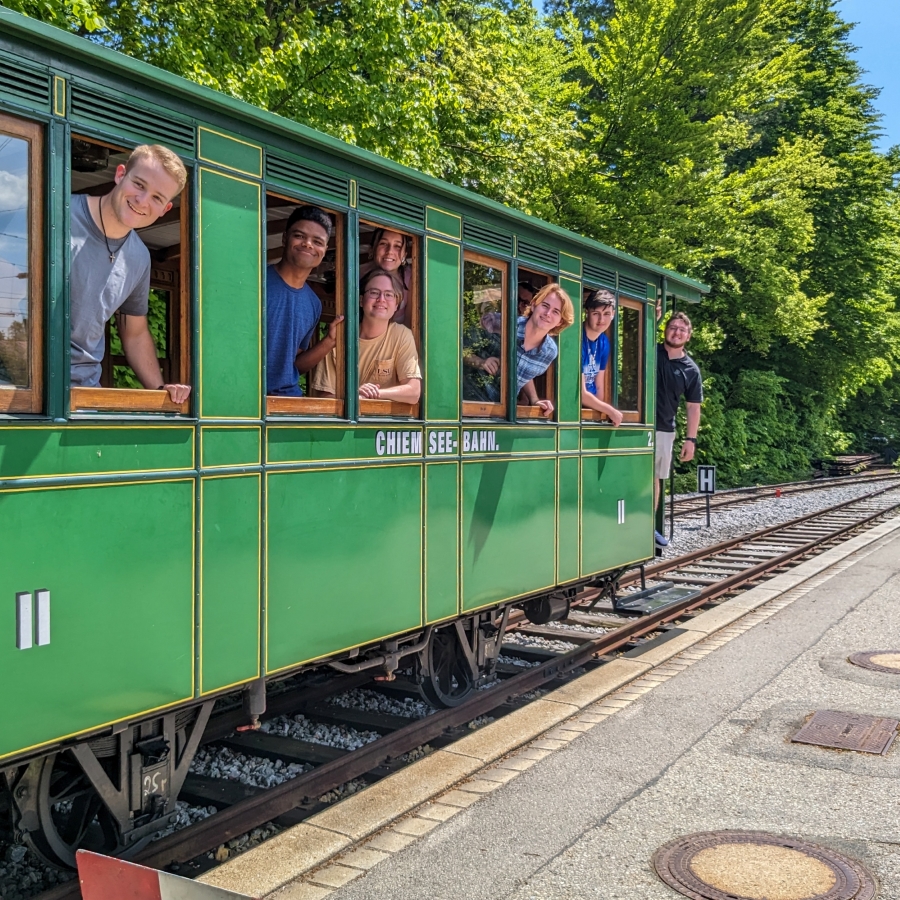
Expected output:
(677, 376)
(110, 271)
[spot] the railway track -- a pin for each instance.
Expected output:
(668, 592)
(696, 505)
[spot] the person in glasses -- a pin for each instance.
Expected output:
(390, 252)
(677, 376)
(388, 359)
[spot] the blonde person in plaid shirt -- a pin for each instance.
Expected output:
(551, 312)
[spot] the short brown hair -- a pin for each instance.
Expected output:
(396, 281)
(567, 311)
(169, 161)
(681, 317)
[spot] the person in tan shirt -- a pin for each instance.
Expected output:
(388, 360)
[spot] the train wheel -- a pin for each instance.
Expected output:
(445, 677)
(65, 813)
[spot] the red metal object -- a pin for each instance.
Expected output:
(777, 492)
(106, 878)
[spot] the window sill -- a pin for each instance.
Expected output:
(594, 415)
(389, 408)
(483, 410)
(19, 400)
(123, 400)
(533, 412)
(304, 406)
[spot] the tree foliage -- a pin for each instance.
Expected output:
(733, 140)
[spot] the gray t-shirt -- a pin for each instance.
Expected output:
(98, 288)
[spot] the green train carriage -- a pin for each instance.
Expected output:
(155, 556)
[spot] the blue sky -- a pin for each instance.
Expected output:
(875, 34)
(878, 22)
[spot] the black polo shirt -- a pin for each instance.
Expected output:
(675, 378)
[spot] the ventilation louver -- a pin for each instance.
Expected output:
(122, 115)
(487, 237)
(308, 180)
(634, 287)
(24, 83)
(597, 276)
(391, 206)
(537, 254)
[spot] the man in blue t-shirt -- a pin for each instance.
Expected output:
(599, 311)
(292, 307)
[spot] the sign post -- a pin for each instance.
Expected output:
(706, 484)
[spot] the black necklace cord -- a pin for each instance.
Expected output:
(112, 256)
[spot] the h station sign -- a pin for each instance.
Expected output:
(706, 484)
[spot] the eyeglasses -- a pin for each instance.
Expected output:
(676, 328)
(374, 294)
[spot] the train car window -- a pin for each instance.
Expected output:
(21, 265)
(630, 358)
(102, 378)
(305, 265)
(597, 352)
(484, 337)
(528, 284)
(389, 359)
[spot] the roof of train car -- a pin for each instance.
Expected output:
(114, 62)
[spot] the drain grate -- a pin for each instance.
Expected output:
(878, 660)
(848, 731)
(754, 865)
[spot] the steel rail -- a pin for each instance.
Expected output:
(184, 845)
(737, 496)
(703, 553)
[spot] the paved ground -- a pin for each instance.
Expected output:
(707, 749)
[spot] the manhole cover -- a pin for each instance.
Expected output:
(753, 865)
(848, 731)
(879, 660)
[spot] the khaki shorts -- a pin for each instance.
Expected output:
(665, 441)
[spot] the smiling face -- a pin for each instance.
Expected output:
(678, 333)
(548, 313)
(379, 299)
(388, 253)
(305, 243)
(143, 193)
(598, 319)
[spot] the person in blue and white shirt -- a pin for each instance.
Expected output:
(599, 312)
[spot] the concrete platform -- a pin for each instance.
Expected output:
(694, 739)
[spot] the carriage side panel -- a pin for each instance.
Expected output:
(442, 336)
(113, 635)
(229, 580)
(569, 364)
(230, 297)
(343, 559)
(441, 540)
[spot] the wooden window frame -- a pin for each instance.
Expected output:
(528, 411)
(333, 407)
(594, 415)
(128, 400)
(639, 306)
(473, 409)
(392, 408)
(15, 398)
